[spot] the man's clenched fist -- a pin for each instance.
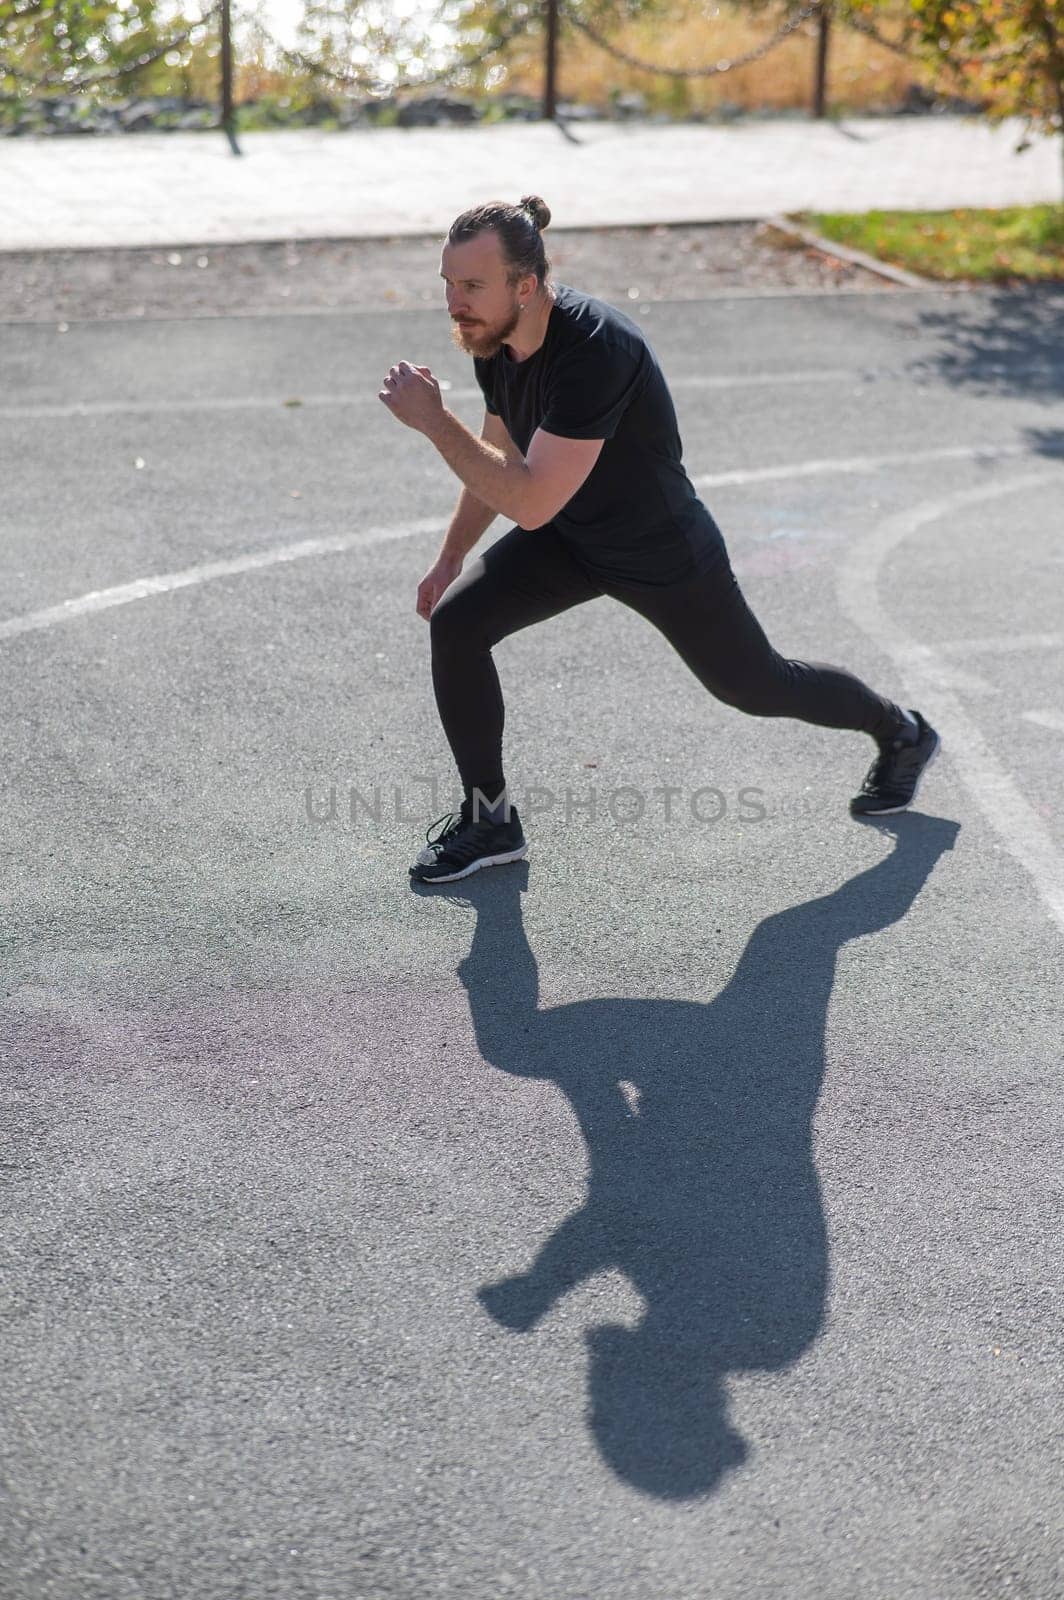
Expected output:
(413, 396)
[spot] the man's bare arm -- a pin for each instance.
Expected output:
(529, 489)
(471, 516)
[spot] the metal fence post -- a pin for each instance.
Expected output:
(550, 65)
(228, 122)
(823, 30)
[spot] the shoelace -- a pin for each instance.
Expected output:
(452, 822)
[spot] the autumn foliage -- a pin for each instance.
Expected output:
(1007, 53)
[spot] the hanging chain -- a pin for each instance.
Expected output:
(366, 80)
(870, 31)
(716, 68)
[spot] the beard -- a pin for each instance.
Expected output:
(485, 339)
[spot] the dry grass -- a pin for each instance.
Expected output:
(861, 74)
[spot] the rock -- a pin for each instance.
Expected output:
(318, 110)
(572, 111)
(916, 101)
(519, 107)
(629, 104)
(435, 110)
(137, 117)
(920, 101)
(353, 114)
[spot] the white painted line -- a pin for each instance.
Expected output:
(277, 402)
(164, 583)
(1004, 644)
(204, 403)
(1045, 719)
(817, 469)
(140, 588)
(995, 792)
(945, 675)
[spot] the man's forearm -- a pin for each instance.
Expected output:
(500, 482)
(471, 518)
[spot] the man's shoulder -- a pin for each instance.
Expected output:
(585, 317)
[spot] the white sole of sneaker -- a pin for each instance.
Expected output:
(892, 811)
(475, 866)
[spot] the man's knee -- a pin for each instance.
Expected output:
(450, 622)
(766, 695)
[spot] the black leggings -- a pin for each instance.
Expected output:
(527, 576)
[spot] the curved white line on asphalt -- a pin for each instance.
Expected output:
(115, 408)
(1005, 644)
(1045, 719)
(993, 789)
(817, 469)
(140, 588)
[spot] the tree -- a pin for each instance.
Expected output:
(1008, 53)
(67, 47)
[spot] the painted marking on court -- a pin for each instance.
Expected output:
(1003, 644)
(140, 588)
(817, 469)
(204, 572)
(117, 408)
(1045, 719)
(992, 787)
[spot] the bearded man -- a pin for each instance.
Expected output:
(580, 450)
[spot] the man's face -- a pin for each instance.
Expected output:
(482, 303)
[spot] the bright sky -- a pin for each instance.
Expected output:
(282, 16)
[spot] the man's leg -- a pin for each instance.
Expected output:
(526, 577)
(708, 621)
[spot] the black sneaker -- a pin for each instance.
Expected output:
(894, 776)
(463, 846)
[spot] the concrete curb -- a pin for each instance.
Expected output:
(357, 236)
(857, 258)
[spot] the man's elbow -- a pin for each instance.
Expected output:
(537, 509)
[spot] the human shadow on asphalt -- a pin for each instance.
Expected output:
(1004, 342)
(702, 1188)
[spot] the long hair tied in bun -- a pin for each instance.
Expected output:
(522, 246)
(537, 209)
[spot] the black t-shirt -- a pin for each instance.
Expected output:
(637, 515)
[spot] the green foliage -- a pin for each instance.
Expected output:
(71, 46)
(1005, 54)
(1008, 52)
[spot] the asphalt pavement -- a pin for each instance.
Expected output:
(675, 1214)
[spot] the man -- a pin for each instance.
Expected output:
(580, 450)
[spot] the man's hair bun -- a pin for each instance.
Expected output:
(537, 209)
(522, 247)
